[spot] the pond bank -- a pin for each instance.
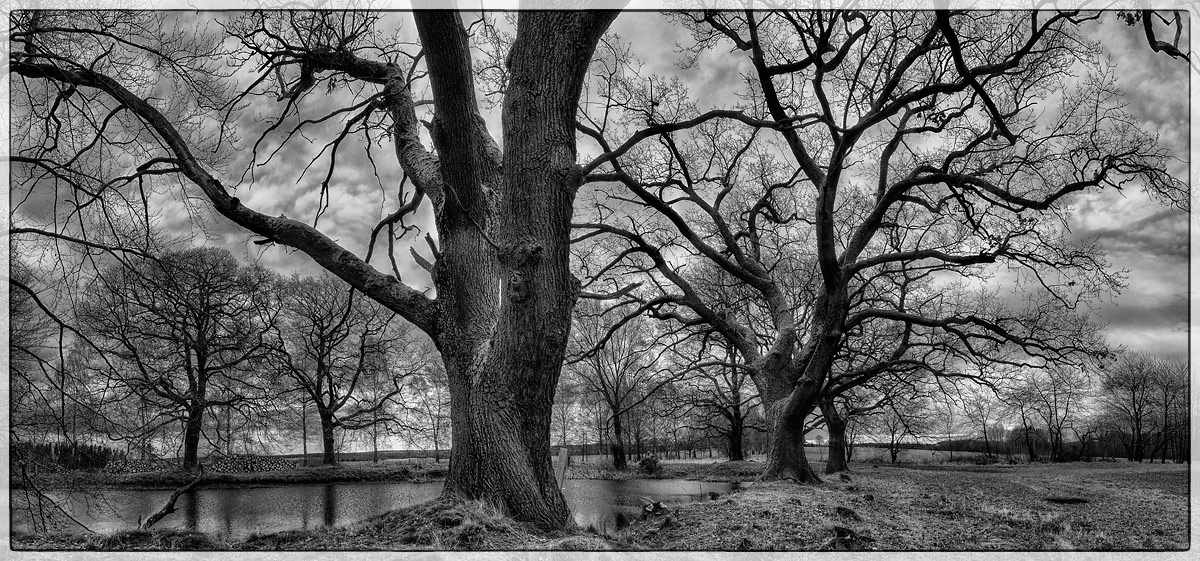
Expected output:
(944, 507)
(172, 479)
(719, 471)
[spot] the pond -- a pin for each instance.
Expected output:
(238, 512)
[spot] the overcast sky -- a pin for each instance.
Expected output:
(1149, 240)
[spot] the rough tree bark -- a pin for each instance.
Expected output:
(736, 427)
(328, 457)
(617, 444)
(786, 412)
(835, 423)
(503, 351)
(191, 436)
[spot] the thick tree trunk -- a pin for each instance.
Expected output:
(735, 440)
(191, 436)
(836, 425)
(785, 452)
(620, 461)
(496, 456)
(505, 222)
(790, 399)
(327, 441)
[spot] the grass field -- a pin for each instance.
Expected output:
(1082, 506)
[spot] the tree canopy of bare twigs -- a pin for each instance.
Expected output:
(878, 168)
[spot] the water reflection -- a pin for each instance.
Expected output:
(238, 512)
(330, 504)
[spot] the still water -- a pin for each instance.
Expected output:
(238, 512)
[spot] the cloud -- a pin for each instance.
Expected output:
(1162, 235)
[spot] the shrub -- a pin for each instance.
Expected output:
(69, 455)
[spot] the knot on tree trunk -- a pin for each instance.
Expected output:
(572, 175)
(516, 257)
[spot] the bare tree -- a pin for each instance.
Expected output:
(567, 407)
(947, 419)
(619, 364)
(1171, 389)
(504, 291)
(332, 342)
(983, 410)
(905, 416)
(723, 400)
(186, 333)
(963, 175)
(1059, 393)
(109, 132)
(1142, 395)
(431, 409)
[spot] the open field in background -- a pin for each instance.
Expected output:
(818, 454)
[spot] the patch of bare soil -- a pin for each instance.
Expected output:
(1128, 507)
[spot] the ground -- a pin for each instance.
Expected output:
(1082, 506)
(946, 507)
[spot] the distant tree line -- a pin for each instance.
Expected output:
(185, 352)
(1133, 408)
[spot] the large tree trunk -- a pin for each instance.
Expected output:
(785, 437)
(736, 430)
(509, 226)
(499, 454)
(790, 399)
(328, 457)
(620, 461)
(836, 425)
(191, 436)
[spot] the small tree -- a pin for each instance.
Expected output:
(1127, 390)
(906, 416)
(982, 409)
(431, 419)
(346, 353)
(947, 419)
(618, 363)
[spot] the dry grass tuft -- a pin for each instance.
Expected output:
(132, 540)
(444, 524)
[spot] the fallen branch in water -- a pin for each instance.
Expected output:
(170, 506)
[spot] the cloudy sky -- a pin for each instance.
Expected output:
(1149, 240)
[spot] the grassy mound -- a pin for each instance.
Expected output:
(443, 524)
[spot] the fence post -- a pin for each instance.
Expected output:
(560, 470)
